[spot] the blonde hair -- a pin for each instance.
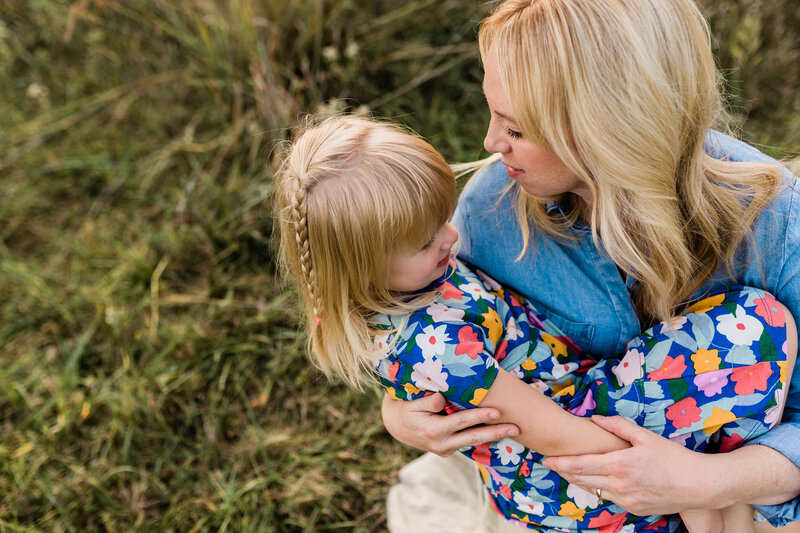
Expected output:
(624, 92)
(350, 192)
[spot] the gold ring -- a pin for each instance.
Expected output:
(599, 494)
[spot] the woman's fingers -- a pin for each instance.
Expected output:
(654, 476)
(419, 423)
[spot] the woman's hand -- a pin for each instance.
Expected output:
(419, 423)
(654, 476)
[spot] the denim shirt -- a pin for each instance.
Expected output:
(581, 290)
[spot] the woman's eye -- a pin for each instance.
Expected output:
(427, 245)
(513, 134)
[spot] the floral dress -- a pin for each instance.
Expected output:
(710, 379)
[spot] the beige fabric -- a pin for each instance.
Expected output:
(443, 495)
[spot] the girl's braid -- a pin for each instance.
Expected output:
(299, 219)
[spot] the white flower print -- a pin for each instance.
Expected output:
(741, 329)
(441, 313)
(476, 291)
(629, 368)
(528, 505)
(582, 498)
(432, 340)
(380, 343)
(509, 451)
(673, 323)
(517, 372)
(428, 375)
(560, 370)
(539, 385)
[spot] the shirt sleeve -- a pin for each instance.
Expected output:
(785, 438)
(447, 357)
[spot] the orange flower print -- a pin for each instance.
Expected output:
(717, 419)
(684, 413)
(570, 510)
(751, 378)
(672, 367)
(769, 309)
(705, 360)
(707, 304)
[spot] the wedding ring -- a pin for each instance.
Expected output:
(599, 494)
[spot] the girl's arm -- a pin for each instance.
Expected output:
(544, 426)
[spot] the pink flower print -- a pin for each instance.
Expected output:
(730, 442)
(684, 413)
(500, 353)
(528, 505)
(449, 291)
(741, 329)
(432, 340)
(393, 369)
(751, 378)
(660, 523)
(428, 375)
(524, 470)
(509, 451)
(673, 324)
(488, 281)
(711, 383)
(629, 368)
(772, 415)
(586, 405)
(505, 490)
(607, 522)
(769, 309)
(468, 343)
(672, 367)
(512, 331)
(482, 454)
(441, 313)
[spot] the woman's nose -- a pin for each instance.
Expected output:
(494, 142)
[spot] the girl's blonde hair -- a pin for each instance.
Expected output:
(624, 93)
(351, 192)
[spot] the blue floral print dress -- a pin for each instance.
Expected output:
(709, 379)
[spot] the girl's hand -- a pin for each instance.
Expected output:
(419, 423)
(653, 476)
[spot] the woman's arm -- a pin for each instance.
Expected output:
(658, 476)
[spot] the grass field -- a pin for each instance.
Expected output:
(153, 375)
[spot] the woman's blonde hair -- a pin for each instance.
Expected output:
(350, 192)
(624, 93)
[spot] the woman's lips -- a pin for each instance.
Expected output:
(514, 172)
(443, 262)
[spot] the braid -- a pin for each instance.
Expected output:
(300, 222)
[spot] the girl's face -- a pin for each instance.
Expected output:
(538, 172)
(413, 270)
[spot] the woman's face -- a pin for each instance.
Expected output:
(540, 173)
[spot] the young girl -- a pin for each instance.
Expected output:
(365, 232)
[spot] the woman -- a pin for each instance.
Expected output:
(626, 207)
